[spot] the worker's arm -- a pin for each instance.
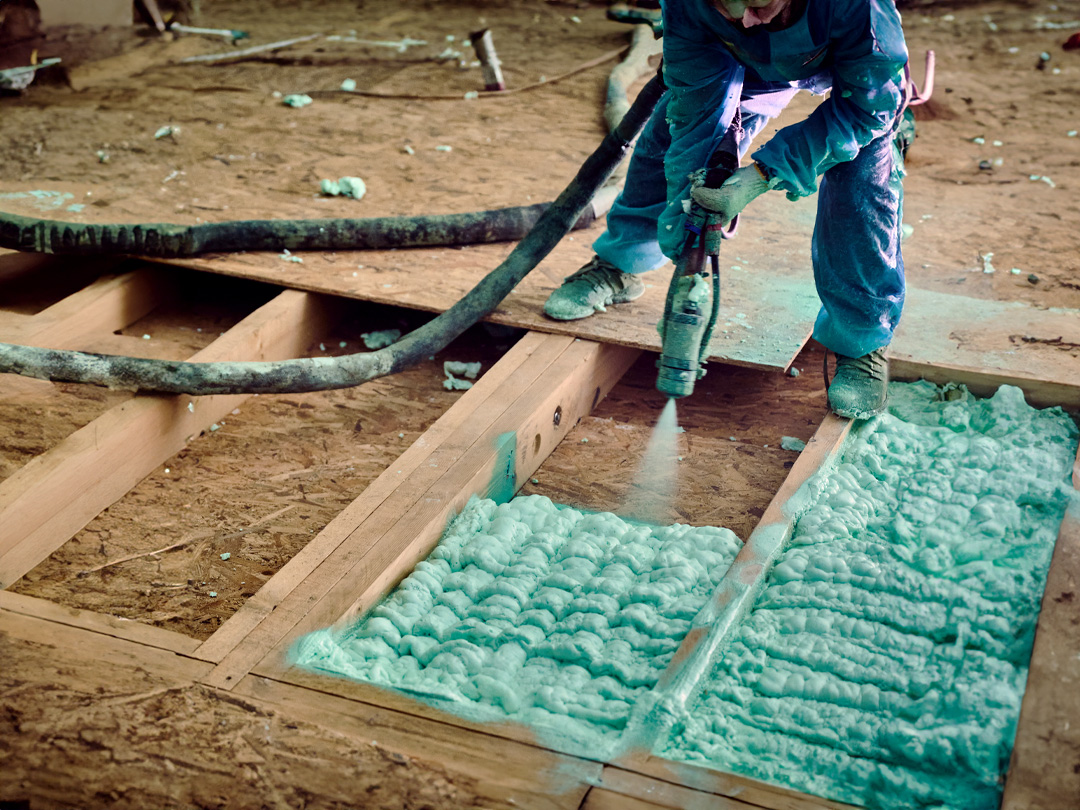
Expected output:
(869, 57)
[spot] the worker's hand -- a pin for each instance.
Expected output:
(745, 185)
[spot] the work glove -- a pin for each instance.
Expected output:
(738, 191)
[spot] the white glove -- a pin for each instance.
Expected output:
(738, 191)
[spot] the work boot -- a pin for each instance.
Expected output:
(591, 289)
(860, 388)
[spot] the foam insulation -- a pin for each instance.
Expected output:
(885, 662)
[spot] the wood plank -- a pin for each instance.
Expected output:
(82, 643)
(1039, 392)
(102, 307)
(1045, 768)
(414, 517)
(534, 348)
(743, 582)
(125, 629)
(600, 799)
(713, 626)
(87, 718)
(764, 321)
(984, 344)
(133, 346)
(729, 786)
(536, 438)
(617, 784)
(57, 493)
(981, 342)
(509, 773)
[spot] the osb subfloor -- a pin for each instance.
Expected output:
(78, 731)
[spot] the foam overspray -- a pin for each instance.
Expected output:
(653, 489)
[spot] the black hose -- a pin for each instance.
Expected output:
(324, 373)
(167, 241)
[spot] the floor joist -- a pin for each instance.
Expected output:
(489, 442)
(46, 502)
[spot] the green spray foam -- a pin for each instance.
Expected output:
(653, 488)
(884, 662)
(536, 613)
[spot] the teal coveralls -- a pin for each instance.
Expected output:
(844, 150)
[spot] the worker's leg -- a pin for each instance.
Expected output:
(628, 247)
(858, 268)
(859, 272)
(629, 243)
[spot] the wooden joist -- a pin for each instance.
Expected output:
(627, 786)
(108, 304)
(46, 502)
(511, 773)
(1048, 717)
(501, 440)
(493, 438)
(126, 629)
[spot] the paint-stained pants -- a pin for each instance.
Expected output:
(858, 267)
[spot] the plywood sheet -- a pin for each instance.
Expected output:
(946, 337)
(764, 320)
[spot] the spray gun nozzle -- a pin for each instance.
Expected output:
(688, 320)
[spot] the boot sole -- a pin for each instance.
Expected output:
(619, 298)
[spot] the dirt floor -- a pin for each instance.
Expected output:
(280, 468)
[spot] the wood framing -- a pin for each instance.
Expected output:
(108, 304)
(1048, 718)
(57, 493)
(764, 320)
(493, 438)
(503, 441)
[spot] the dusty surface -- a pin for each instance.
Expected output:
(79, 732)
(254, 490)
(730, 459)
(240, 153)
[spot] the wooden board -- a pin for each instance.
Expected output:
(984, 344)
(620, 788)
(718, 783)
(511, 773)
(562, 375)
(764, 320)
(712, 629)
(46, 502)
(1050, 714)
(126, 629)
(106, 305)
(744, 581)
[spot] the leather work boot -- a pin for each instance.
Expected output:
(591, 289)
(860, 388)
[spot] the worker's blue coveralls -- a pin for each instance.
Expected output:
(711, 66)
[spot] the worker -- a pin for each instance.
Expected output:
(739, 62)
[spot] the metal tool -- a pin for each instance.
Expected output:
(693, 299)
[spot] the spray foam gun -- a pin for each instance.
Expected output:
(692, 301)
